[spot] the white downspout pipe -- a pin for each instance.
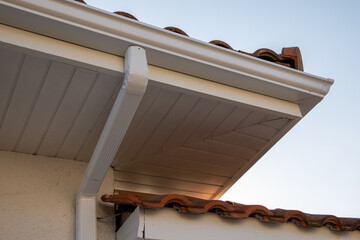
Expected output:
(125, 106)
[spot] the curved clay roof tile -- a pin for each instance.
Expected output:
(176, 30)
(217, 204)
(221, 44)
(125, 14)
(126, 199)
(267, 54)
(333, 223)
(175, 198)
(258, 209)
(165, 200)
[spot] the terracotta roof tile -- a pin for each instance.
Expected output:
(125, 14)
(176, 30)
(290, 57)
(233, 210)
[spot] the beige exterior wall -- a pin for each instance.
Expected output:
(37, 198)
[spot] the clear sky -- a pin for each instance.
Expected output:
(315, 168)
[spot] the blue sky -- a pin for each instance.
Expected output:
(316, 167)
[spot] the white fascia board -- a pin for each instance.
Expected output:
(197, 86)
(94, 28)
(73, 54)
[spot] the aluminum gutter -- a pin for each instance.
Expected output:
(94, 28)
(125, 106)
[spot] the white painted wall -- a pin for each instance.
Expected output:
(167, 223)
(37, 198)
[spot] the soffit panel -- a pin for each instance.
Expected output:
(179, 140)
(175, 136)
(49, 107)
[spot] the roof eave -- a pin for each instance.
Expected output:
(94, 28)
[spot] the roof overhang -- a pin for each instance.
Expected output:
(87, 26)
(208, 115)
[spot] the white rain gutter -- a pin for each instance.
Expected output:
(125, 106)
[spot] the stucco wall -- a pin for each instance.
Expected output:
(37, 198)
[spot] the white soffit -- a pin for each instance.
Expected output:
(193, 144)
(189, 135)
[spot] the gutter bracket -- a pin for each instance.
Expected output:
(121, 115)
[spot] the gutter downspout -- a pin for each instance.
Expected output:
(125, 106)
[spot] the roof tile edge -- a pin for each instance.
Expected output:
(234, 210)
